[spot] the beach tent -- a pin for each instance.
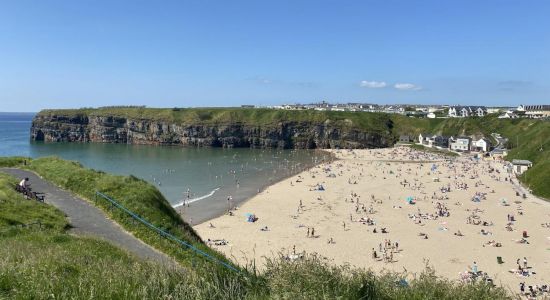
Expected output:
(410, 200)
(250, 217)
(320, 188)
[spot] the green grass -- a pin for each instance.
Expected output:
(315, 278)
(13, 161)
(46, 265)
(16, 210)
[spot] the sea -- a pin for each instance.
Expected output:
(202, 178)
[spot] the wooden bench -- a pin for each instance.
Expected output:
(29, 193)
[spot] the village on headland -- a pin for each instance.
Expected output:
(424, 111)
(401, 209)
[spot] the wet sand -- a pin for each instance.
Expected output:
(201, 211)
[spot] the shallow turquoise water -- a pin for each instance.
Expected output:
(210, 174)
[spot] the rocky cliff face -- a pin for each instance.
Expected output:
(110, 129)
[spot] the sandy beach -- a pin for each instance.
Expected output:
(410, 207)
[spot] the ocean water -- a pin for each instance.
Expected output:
(210, 174)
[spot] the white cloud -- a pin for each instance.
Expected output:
(372, 84)
(407, 87)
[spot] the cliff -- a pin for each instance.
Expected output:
(259, 128)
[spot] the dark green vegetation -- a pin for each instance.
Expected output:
(48, 263)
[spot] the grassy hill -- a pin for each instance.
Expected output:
(135, 194)
(44, 262)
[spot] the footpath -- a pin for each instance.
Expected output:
(88, 220)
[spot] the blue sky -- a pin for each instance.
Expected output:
(56, 54)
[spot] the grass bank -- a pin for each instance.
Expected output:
(136, 195)
(44, 262)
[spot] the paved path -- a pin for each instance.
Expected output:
(87, 219)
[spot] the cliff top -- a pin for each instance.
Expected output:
(249, 116)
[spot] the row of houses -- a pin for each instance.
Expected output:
(354, 107)
(364, 107)
(459, 143)
(522, 111)
(527, 111)
(467, 111)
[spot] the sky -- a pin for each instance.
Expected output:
(70, 54)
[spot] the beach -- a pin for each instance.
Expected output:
(413, 208)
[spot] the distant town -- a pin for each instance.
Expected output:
(425, 111)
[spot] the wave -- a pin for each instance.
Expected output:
(198, 198)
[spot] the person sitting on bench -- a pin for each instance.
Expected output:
(25, 184)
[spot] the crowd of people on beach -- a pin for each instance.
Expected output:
(440, 189)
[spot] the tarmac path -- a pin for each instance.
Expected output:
(89, 220)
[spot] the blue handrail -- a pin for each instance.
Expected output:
(167, 234)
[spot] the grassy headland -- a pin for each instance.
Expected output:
(44, 262)
(249, 116)
(135, 194)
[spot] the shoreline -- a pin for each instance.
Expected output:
(353, 241)
(237, 201)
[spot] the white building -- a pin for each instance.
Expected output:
(508, 115)
(535, 111)
(426, 139)
(520, 165)
(430, 115)
(482, 145)
(467, 111)
(460, 144)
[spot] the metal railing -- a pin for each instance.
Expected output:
(166, 234)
